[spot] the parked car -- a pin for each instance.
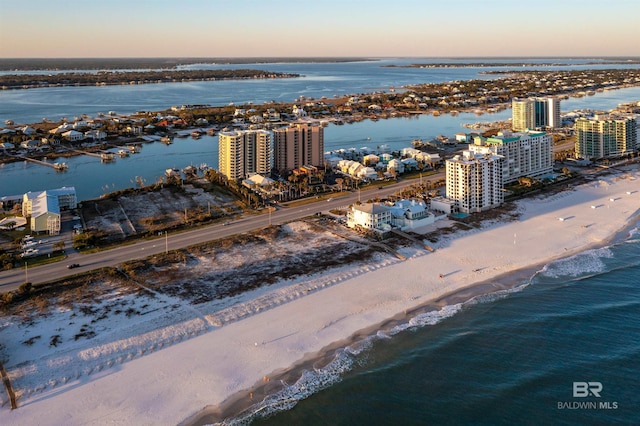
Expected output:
(73, 265)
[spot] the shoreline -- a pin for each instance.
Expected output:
(215, 369)
(239, 405)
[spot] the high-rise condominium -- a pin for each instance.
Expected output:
(474, 181)
(535, 113)
(298, 145)
(605, 136)
(243, 152)
(527, 154)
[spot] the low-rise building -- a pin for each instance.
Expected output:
(372, 216)
(411, 214)
(65, 196)
(45, 214)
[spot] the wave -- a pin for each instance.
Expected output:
(345, 360)
(594, 262)
(497, 295)
(586, 263)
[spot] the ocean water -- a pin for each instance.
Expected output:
(504, 359)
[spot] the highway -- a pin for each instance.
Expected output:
(12, 279)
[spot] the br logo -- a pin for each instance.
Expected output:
(585, 389)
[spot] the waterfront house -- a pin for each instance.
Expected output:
(134, 129)
(374, 216)
(73, 136)
(443, 205)
(65, 127)
(79, 124)
(30, 144)
(411, 214)
(95, 135)
(370, 159)
(28, 131)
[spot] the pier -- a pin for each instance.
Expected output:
(102, 155)
(58, 166)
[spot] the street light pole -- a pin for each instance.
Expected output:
(166, 242)
(26, 272)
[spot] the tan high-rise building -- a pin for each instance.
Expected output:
(243, 152)
(298, 145)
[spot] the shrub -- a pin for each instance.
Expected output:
(25, 288)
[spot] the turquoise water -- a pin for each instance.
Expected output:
(459, 215)
(498, 360)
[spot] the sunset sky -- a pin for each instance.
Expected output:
(296, 28)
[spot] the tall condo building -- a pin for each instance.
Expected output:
(474, 181)
(527, 154)
(534, 113)
(605, 136)
(243, 152)
(298, 145)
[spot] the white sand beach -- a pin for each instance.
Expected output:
(172, 384)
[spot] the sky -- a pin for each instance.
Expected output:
(319, 28)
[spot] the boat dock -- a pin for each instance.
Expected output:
(102, 155)
(58, 166)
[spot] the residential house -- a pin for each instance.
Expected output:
(95, 135)
(30, 144)
(73, 136)
(372, 216)
(396, 165)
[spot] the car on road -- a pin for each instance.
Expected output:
(73, 265)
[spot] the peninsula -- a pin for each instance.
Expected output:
(107, 78)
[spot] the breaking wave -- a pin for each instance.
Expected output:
(345, 360)
(589, 262)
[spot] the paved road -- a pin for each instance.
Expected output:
(12, 279)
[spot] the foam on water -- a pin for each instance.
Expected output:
(498, 295)
(312, 381)
(427, 318)
(585, 263)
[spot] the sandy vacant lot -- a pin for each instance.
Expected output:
(83, 325)
(140, 212)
